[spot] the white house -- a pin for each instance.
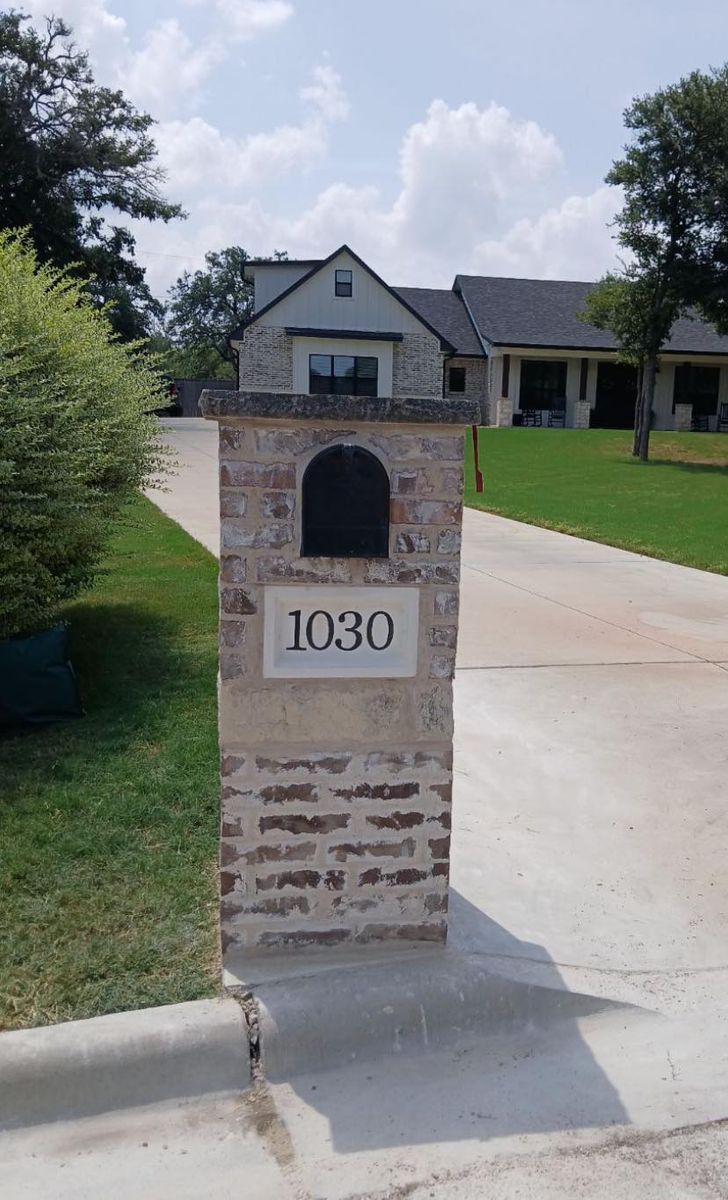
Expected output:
(518, 346)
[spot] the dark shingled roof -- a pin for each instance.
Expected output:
(446, 312)
(544, 312)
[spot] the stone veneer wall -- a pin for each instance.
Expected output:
(336, 793)
(504, 411)
(266, 359)
(417, 366)
(582, 414)
(476, 383)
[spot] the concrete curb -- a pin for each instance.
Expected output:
(331, 1018)
(121, 1061)
(313, 1014)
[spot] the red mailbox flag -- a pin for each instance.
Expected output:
(478, 473)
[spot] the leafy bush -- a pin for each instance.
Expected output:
(76, 435)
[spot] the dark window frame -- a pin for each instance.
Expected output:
(361, 383)
(343, 283)
(541, 395)
(459, 373)
(686, 389)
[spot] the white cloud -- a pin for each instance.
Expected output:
(168, 66)
(468, 176)
(244, 20)
(165, 73)
(95, 28)
(195, 154)
(89, 18)
(479, 189)
(462, 170)
(573, 239)
(326, 93)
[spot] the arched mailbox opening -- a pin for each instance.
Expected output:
(345, 505)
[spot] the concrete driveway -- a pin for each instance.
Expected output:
(591, 747)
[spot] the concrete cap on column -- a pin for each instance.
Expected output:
(227, 406)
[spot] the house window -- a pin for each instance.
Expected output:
(543, 382)
(456, 379)
(343, 283)
(697, 386)
(342, 375)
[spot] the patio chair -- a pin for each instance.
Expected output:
(701, 424)
(723, 419)
(532, 417)
(557, 414)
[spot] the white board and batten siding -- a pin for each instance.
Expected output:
(271, 281)
(316, 306)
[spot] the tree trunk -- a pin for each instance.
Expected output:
(638, 411)
(649, 379)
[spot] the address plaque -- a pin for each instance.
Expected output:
(340, 632)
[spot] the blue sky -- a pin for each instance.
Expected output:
(433, 136)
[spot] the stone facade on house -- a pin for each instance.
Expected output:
(581, 414)
(476, 383)
(503, 411)
(417, 366)
(265, 359)
(336, 792)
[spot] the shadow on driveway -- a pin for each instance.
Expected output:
(520, 1066)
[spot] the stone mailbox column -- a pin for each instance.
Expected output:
(339, 575)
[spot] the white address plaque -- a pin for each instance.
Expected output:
(336, 632)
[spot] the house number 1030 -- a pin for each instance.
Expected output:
(319, 631)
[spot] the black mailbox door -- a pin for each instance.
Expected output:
(345, 505)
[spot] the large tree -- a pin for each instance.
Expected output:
(73, 152)
(673, 226)
(206, 306)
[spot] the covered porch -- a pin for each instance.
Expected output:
(561, 389)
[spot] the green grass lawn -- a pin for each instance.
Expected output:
(585, 482)
(108, 825)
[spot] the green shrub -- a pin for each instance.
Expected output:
(76, 437)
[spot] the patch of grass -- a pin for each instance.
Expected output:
(108, 825)
(585, 482)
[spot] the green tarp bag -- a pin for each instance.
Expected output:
(37, 682)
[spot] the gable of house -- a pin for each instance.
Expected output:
(338, 321)
(312, 300)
